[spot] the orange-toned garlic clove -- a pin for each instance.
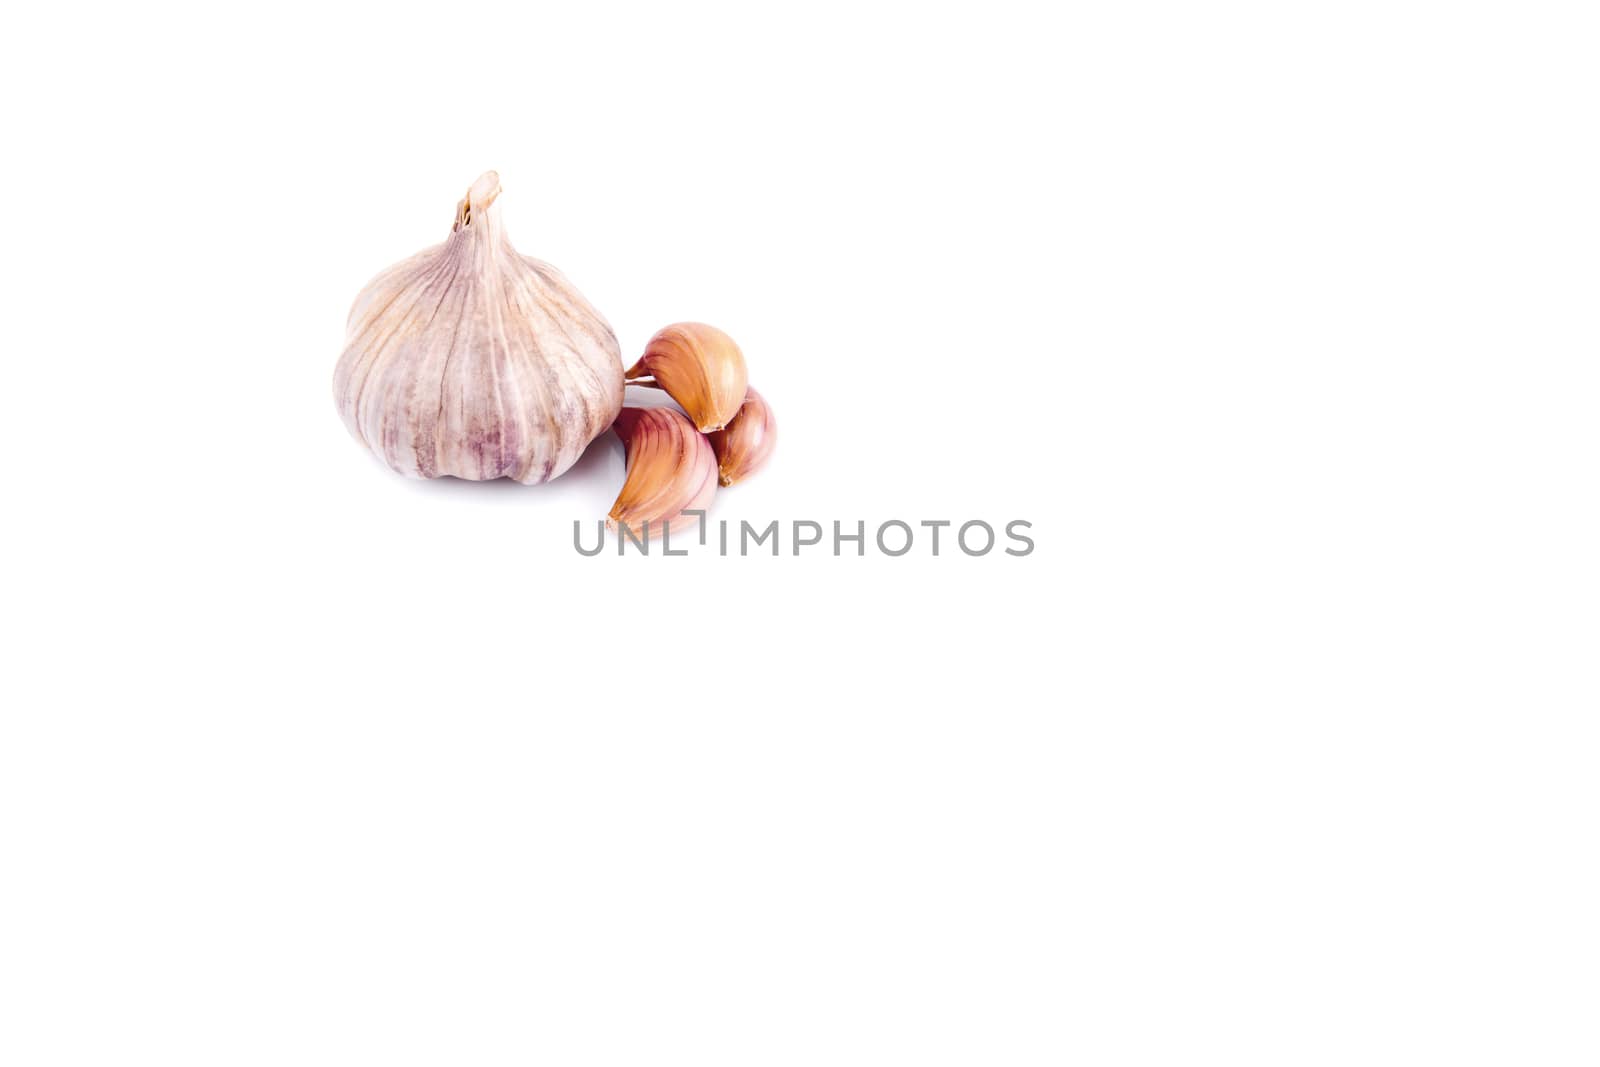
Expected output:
(671, 467)
(700, 367)
(744, 446)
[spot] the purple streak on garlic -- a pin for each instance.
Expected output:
(471, 360)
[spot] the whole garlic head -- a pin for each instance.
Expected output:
(471, 360)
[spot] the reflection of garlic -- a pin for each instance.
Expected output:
(700, 367)
(671, 468)
(743, 447)
(471, 360)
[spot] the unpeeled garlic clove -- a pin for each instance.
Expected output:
(671, 468)
(744, 446)
(700, 367)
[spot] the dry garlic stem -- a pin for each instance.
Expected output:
(671, 468)
(744, 446)
(471, 360)
(700, 367)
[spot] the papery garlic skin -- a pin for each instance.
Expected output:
(671, 469)
(700, 367)
(746, 443)
(472, 360)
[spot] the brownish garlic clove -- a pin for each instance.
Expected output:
(671, 468)
(700, 367)
(744, 446)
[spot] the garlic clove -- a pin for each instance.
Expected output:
(671, 468)
(472, 360)
(700, 367)
(746, 443)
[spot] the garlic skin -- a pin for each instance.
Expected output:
(471, 360)
(745, 445)
(700, 367)
(671, 468)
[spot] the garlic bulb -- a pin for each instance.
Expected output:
(471, 360)
(671, 468)
(700, 367)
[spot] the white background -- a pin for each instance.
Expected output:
(1277, 321)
